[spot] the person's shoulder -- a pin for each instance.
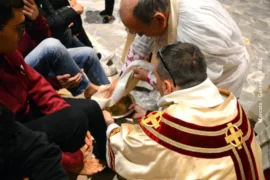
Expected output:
(14, 57)
(195, 6)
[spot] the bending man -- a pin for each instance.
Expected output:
(201, 133)
(204, 23)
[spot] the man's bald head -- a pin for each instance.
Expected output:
(143, 10)
(145, 17)
(127, 7)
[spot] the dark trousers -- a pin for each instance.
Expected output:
(84, 38)
(29, 154)
(109, 6)
(96, 123)
(77, 29)
(67, 127)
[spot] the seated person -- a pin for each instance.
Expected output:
(26, 153)
(61, 22)
(201, 133)
(77, 26)
(52, 60)
(26, 93)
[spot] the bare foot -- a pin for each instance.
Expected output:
(90, 167)
(105, 91)
(90, 91)
(108, 90)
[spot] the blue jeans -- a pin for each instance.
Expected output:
(51, 58)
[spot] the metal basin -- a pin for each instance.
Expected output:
(120, 109)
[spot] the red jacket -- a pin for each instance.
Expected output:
(19, 84)
(37, 32)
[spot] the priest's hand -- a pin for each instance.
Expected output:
(139, 111)
(108, 117)
(140, 74)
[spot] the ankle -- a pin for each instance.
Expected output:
(90, 91)
(104, 13)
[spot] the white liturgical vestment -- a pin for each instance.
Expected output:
(208, 25)
(202, 133)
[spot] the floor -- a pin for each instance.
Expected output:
(252, 17)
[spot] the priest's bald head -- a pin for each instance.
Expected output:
(179, 66)
(145, 17)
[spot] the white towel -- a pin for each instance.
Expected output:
(126, 83)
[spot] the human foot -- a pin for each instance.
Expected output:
(90, 165)
(107, 19)
(90, 91)
(104, 91)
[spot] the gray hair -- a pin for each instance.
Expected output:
(145, 10)
(185, 62)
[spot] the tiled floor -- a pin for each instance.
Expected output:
(252, 17)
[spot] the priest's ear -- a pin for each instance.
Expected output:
(167, 87)
(160, 20)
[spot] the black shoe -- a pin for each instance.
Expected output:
(103, 13)
(107, 19)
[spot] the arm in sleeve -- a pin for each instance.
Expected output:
(140, 49)
(59, 3)
(129, 151)
(216, 34)
(41, 92)
(41, 158)
(40, 29)
(57, 21)
(54, 83)
(72, 160)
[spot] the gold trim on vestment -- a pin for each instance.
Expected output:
(152, 117)
(250, 161)
(114, 131)
(239, 163)
(193, 148)
(200, 132)
(234, 136)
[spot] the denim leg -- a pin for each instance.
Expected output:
(51, 57)
(77, 43)
(87, 59)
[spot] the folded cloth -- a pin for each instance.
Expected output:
(125, 84)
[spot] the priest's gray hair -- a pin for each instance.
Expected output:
(185, 62)
(145, 10)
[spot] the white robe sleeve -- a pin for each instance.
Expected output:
(209, 26)
(130, 152)
(140, 49)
